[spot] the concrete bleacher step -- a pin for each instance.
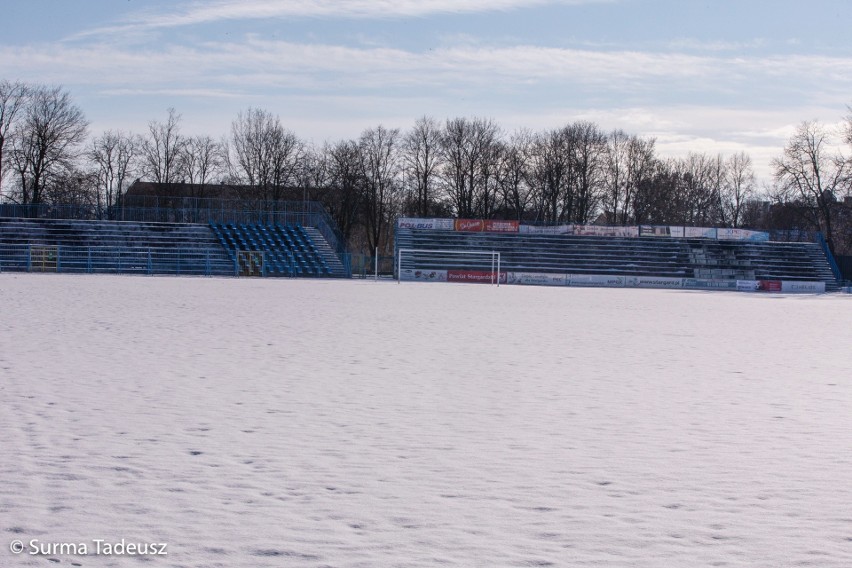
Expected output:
(335, 267)
(114, 246)
(653, 256)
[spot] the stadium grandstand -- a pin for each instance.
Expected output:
(472, 250)
(175, 235)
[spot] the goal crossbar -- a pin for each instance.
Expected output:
(495, 259)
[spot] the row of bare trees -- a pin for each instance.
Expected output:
(465, 167)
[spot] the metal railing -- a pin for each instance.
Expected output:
(835, 269)
(117, 260)
(153, 209)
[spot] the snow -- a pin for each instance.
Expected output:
(354, 423)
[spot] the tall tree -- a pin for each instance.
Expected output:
(113, 154)
(421, 151)
(589, 144)
(161, 150)
(46, 140)
(468, 152)
(550, 172)
(201, 162)
(345, 184)
(512, 175)
(13, 98)
(379, 152)
(738, 187)
(265, 155)
(809, 172)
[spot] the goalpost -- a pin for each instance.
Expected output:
(493, 255)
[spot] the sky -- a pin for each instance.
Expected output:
(704, 76)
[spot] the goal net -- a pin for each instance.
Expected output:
(448, 265)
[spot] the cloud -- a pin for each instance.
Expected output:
(261, 64)
(232, 10)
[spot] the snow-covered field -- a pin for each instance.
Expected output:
(328, 423)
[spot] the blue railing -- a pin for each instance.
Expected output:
(118, 260)
(831, 262)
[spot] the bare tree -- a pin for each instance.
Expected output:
(617, 180)
(379, 152)
(738, 187)
(421, 148)
(469, 162)
(265, 155)
(641, 165)
(588, 152)
(13, 98)
(161, 150)
(550, 171)
(46, 141)
(808, 172)
(512, 177)
(201, 161)
(345, 184)
(113, 154)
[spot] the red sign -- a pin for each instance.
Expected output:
(478, 276)
(472, 225)
(770, 285)
(496, 226)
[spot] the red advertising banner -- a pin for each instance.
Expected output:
(489, 225)
(495, 226)
(770, 285)
(472, 225)
(478, 276)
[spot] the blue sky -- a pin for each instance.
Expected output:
(709, 76)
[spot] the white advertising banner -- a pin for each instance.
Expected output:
(748, 285)
(653, 282)
(423, 275)
(547, 229)
(702, 283)
(654, 231)
(538, 279)
(596, 280)
(741, 235)
(676, 232)
(426, 224)
(699, 233)
(806, 287)
(604, 231)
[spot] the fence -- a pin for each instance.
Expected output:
(148, 209)
(364, 266)
(118, 260)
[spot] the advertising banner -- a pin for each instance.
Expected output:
(537, 279)
(676, 232)
(428, 224)
(477, 276)
(770, 285)
(604, 231)
(423, 275)
(807, 287)
(596, 280)
(701, 283)
(748, 285)
(741, 235)
(497, 226)
(654, 282)
(469, 225)
(699, 233)
(547, 229)
(654, 231)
